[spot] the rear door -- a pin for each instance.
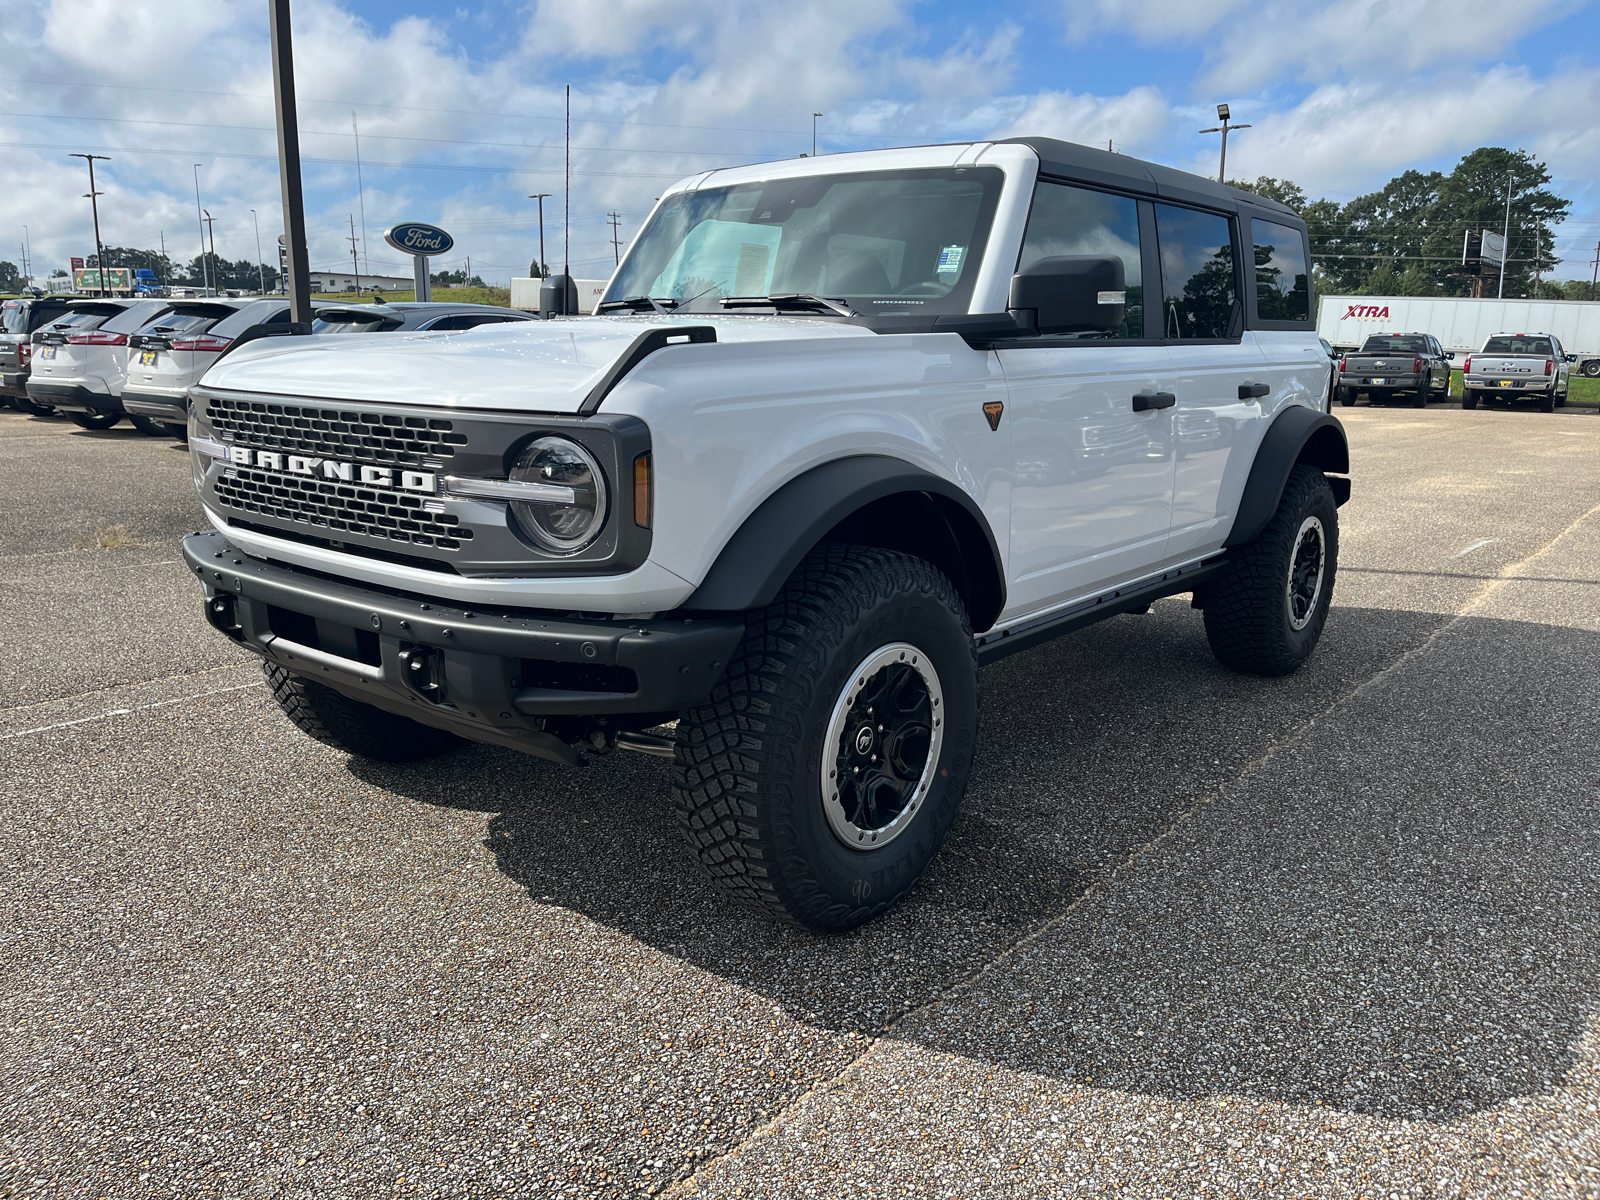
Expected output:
(1215, 365)
(1092, 494)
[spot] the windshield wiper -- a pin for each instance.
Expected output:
(639, 304)
(790, 302)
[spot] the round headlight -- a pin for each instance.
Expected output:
(561, 527)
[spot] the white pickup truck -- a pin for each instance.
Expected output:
(1517, 366)
(845, 429)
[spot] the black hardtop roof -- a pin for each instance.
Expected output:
(1069, 160)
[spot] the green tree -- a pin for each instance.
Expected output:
(1473, 196)
(10, 277)
(1284, 191)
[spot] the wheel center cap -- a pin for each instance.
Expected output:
(864, 739)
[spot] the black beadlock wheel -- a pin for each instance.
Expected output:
(349, 725)
(820, 778)
(94, 420)
(1265, 612)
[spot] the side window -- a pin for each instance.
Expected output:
(1283, 290)
(1070, 220)
(1198, 285)
(447, 323)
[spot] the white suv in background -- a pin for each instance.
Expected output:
(172, 352)
(79, 366)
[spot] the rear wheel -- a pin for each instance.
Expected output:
(1469, 398)
(1347, 397)
(94, 420)
(150, 427)
(1265, 612)
(820, 778)
(1547, 402)
(349, 725)
(32, 406)
(1591, 368)
(181, 432)
(1424, 387)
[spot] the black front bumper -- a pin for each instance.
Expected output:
(488, 676)
(72, 397)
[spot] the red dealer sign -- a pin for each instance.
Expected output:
(1367, 312)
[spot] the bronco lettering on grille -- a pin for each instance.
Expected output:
(342, 472)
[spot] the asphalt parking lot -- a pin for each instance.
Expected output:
(1194, 934)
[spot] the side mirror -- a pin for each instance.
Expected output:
(1570, 357)
(1449, 353)
(1071, 293)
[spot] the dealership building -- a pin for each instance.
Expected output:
(346, 281)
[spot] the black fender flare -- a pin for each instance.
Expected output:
(1297, 435)
(763, 553)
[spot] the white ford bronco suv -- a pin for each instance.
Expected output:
(844, 429)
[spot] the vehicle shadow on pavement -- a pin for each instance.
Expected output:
(1292, 958)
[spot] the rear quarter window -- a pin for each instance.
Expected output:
(1283, 280)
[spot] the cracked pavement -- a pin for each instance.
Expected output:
(1193, 934)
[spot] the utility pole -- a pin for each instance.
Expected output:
(467, 282)
(1536, 261)
(94, 205)
(1505, 241)
(288, 121)
(1594, 276)
(540, 197)
(27, 259)
(205, 277)
(163, 236)
(261, 269)
(216, 276)
(616, 242)
(361, 195)
(814, 117)
(354, 262)
(1223, 114)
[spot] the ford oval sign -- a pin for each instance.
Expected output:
(416, 238)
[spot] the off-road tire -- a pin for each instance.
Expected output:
(1247, 606)
(349, 725)
(1469, 398)
(747, 769)
(94, 420)
(149, 426)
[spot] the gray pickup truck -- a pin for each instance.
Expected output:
(1393, 365)
(1517, 366)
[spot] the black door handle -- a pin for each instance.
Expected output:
(1250, 391)
(1144, 401)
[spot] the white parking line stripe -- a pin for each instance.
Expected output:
(122, 712)
(1477, 545)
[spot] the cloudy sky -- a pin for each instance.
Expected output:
(460, 106)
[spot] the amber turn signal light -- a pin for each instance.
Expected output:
(641, 491)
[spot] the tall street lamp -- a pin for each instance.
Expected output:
(540, 197)
(94, 205)
(199, 216)
(1222, 114)
(814, 117)
(261, 270)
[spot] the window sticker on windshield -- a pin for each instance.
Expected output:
(750, 277)
(950, 260)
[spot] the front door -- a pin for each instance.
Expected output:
(1092, 492)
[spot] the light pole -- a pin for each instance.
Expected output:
(27, 261)
(261, 270)
(205, 272)
(215, 278)
(540, 197)
(1222, 113)
(1505, 241)
(94, 205)
(814, 117)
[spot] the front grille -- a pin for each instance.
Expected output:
(386, 438)
(372, 512)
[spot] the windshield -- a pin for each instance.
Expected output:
(1395, 343)
(346, 321)
(883, 242)
(178, 322)
(1518, 344)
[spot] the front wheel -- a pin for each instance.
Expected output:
(820, 778)
(1266, 610)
